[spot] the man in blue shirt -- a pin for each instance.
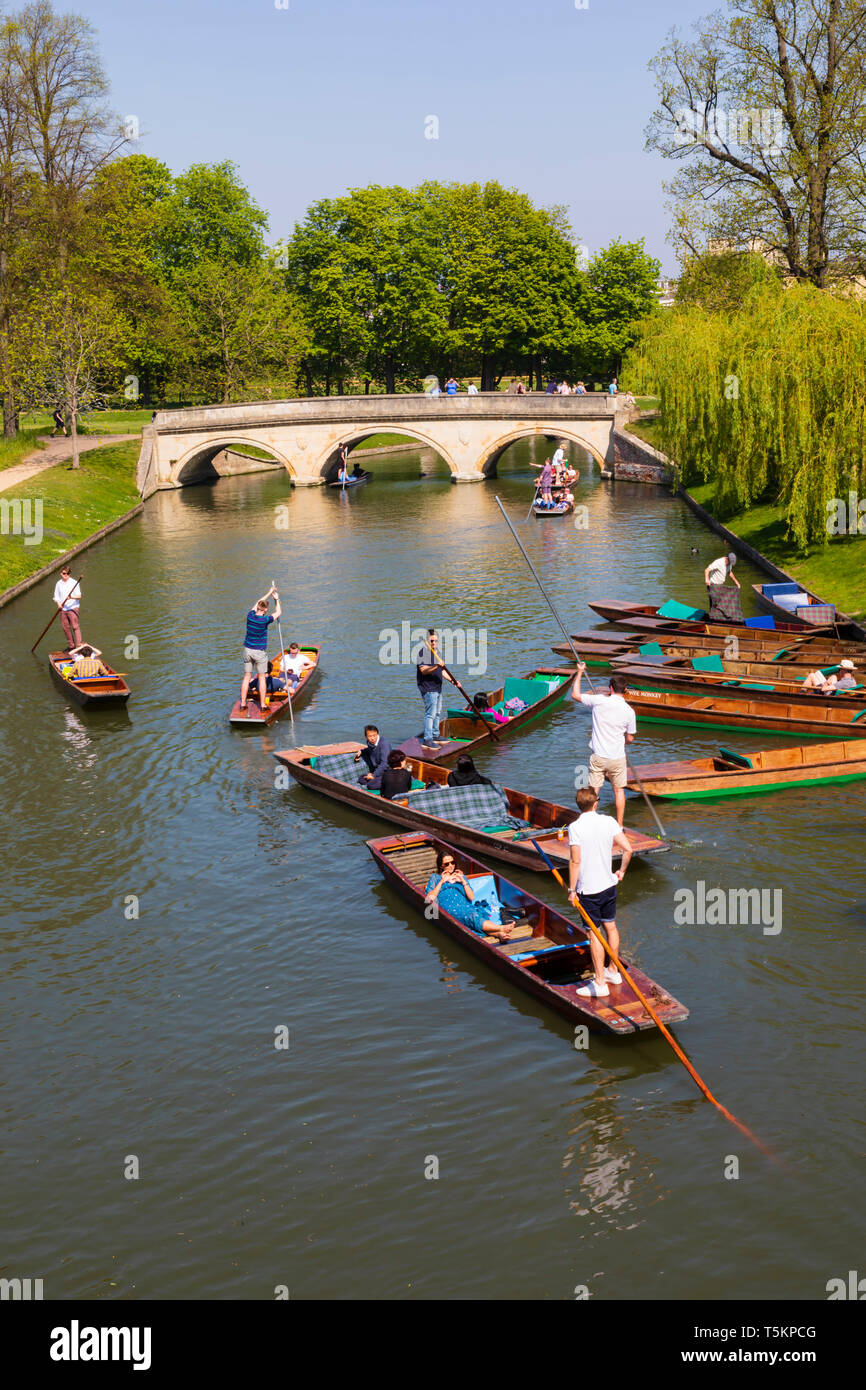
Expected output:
(256, 646)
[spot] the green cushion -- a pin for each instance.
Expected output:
(672, 609)
(416, 785)
(650, 649)
(739, 758)
(522, 689)
(712, 663)
(313, 760)
(858, 715)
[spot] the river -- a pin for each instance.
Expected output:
(157, 1144)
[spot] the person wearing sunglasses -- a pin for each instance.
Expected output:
(451, 891)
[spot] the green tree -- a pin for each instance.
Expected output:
(620, 291)
(721, 282)
(209, 215)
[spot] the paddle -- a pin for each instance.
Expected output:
(559, 621)
(54, 614)
(665, 1032)
(285, 672)
(470, 702)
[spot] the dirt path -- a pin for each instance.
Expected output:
(55, 451)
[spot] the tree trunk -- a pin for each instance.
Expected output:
(390, 385)
(366, 386)
(76, 462)
(309, 378)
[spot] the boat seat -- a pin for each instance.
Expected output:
(673, 609)
(738, 759)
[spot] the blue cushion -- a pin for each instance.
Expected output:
(767, 621)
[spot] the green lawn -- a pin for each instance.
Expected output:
(74, 506)
(384, 441)
(647, 430)
(12, 451)
(93, 422)
(836, 572)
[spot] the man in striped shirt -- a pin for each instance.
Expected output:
(256, 645)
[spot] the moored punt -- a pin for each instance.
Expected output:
(558, 509)
(680, 617)
(482, 819)
(91, 692)
(254, 717)
(540, 690)
(792, 603)
(549, 955)
(735, 774)
(814, 718)
(598, 648)
(728, 684)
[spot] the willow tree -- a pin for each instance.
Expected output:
(764, 109)
(767, 402)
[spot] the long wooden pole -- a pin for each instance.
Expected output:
(567, 637)
(470, 702)
(59, 609)
(663, 1029)
(282, 655)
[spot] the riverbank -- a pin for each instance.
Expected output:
(67, 511)
(836, 572)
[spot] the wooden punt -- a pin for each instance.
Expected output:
(615, 611)
(780, 599)
(558, 509)
(91, 692)
(549, 958)
(732, 684)
(598, 648)
(815, 719)
(352, 482)
(462, 728)
(737, 774)
(256, 718)
(545, 817)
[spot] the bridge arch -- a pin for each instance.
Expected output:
(494, 451)
(327, 467)
(196, 465)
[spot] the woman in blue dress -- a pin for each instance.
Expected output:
(450, 889)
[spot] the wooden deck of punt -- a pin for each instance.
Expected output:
(598, 648)
(817, 719)
(639, 614)
(547, 817)
(96, 692)
(549, 961)
(254, 718)
(677, 677)
(700, 778)
(462, 730)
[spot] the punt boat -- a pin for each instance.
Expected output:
(548, 956)
(814, 718)
(678, 614)
(254, 716)
(730, 679)
(598, 648)
(352, 481)
(735, 774)
(91, 692)
(792, 603)
(481, 819)
(464, 730)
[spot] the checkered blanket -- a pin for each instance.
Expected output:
(725, 606)
(342, 766)
(477, 806)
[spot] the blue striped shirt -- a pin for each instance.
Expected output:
(257, 630)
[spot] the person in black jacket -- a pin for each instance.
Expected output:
(396, 779)
(375, 755)
(466, 774)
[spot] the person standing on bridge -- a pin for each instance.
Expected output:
(256, 647)
(451, 387)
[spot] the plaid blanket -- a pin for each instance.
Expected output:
(342, 766)
(477, 806)
(725, 606)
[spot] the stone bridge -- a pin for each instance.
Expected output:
(303, 436)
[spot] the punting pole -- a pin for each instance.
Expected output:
(665, 1031)
(470, 702)
(567, 637)
(58, 609)
(282, 654)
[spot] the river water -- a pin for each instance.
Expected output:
(147, 1043)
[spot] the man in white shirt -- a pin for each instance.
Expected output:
(593, 883)
(613, 726)
(472, 389)
(559, 457)
(67, 596)
(294, 663)
(718, 571)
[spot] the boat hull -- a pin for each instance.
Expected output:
(461, 730)
(254, 717)
(778, 770)
(673, 707)
(98, 694)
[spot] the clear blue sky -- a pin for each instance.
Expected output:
(331, 94)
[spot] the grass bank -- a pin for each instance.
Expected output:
(647, 430)
(836, 572)
(74, 505)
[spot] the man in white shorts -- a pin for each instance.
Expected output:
(592, 882)
(613, 726)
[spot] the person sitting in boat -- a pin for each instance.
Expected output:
(85, 662)
(451, 891)
(375, 755)
(357, 470)
(820, 684)
(466, 774)
(294, 663)
(396, 779)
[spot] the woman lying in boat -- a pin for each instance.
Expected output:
(450, 889)
(466, 774)
(820, 684)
